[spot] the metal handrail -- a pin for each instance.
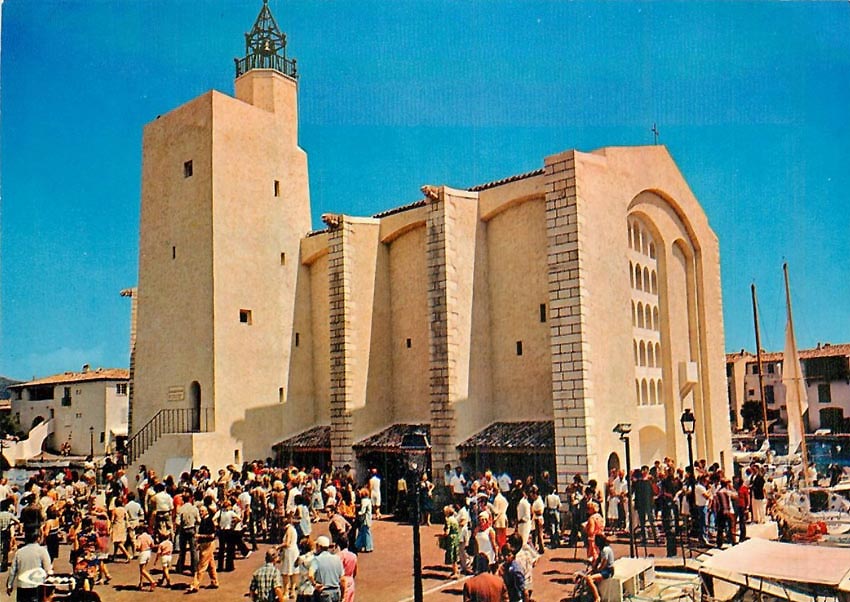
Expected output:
(286, 66)
(167, 421)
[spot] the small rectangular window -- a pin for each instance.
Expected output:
(280, 395)
(542, 312)
(751, 392)
(283, 259)
(771, 368)
(769, 396)
(408, 342)
(121, 389)
(236, 456)
(173, 252)
(519, 347)
(297, 339)
(245, 316)
(277, 187)
(755, 369)
(824, 393)
(187, 169)
(102, 436)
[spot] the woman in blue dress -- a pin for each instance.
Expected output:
(364, 520)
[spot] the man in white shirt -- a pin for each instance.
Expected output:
(538, 508)
(552, 516)
(458, 485)
(375, 492)
(701, 498)
(523, 518)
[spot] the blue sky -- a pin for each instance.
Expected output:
(752, 99)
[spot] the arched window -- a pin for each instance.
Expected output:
(637, 358)
(644, 393)
(637, 391)
(631, 240)
(650, 355)
(644, 239)
(640, 315)
(648, 320)
(660, 392)
(195, 400)
(652, 250)
(654, 280)
(653, 400)
(646, 279)
(657, 326)
(642, 354)
(634, 315)
(638, 278)
(631, 275)
(658, 355)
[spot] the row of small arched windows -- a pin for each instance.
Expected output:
(649, 392)
(647, 354)
(641, 241)
(645, 316)
(643, 279)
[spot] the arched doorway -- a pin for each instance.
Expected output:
(195, 410)
(653, 444)
(36, 421)
(613, 462)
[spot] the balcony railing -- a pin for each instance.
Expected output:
(168, 421)
(282, 64)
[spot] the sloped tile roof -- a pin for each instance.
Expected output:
(508, 180)
(824, 350)
(78, 377)
(317, 438)
(408, 207)
(513, 437)
(390, 438)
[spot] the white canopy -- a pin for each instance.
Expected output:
(785, 562)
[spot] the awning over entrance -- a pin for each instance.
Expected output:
(316, 439)
(389, 439)
(513, 437)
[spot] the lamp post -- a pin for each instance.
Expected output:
(415, 444)
(91, 442)
(623, 429)
(689, 422)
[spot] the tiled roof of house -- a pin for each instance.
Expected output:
(513, 437)
(317, 438)
(508, 180)
(78, 377)
(408, 207)
(390, 438)
(822, 350)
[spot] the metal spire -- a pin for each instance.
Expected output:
(265, 47)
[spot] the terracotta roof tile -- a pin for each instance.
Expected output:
(513, 437)
(78, 377)
(508, 180)
(317, 438)
(408, 207)
(390, 438)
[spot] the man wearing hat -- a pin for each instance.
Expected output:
(326, 573)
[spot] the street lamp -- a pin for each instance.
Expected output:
(623, 429)
(415, 444)
(91, 442)
(689, 422)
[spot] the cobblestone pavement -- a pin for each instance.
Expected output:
(384, 575)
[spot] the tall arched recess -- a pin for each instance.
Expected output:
(195, 400)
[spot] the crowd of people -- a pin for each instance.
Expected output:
(200, 523)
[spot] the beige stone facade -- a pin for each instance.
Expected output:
(582, 294)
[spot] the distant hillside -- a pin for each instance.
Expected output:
(4, 384)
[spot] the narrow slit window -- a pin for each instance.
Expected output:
(519, 347)
(297, 339)
(245, 316)
(173, 252)
(280, 395)
(277, 187)
(283, 259)
(187, 169)
(542, 312)
(408, 342)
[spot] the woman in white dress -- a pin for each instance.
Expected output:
(485, 539)
(288, 555)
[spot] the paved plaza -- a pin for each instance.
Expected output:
(384, 575)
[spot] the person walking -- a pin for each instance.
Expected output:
(206, 549)
(188, 518)
(266, 583)
(451, 537)
(375, 493)
(289, 555)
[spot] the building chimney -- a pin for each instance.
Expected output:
(85, 368)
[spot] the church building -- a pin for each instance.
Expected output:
(516, 322)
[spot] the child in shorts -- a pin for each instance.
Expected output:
(144, 545)
(163, 552)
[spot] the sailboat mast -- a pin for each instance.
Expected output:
(803, 447)
(758, 361)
